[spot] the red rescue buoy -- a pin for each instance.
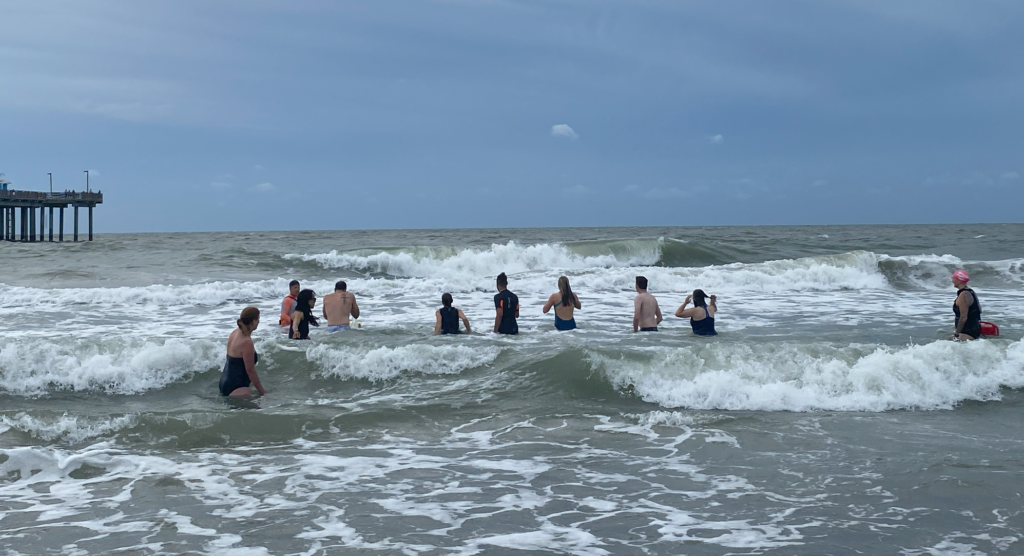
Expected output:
(989, 329)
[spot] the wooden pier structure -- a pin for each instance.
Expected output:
(18, 213)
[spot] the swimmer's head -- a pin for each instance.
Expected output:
(961, 277)
(249, 319)
(699, 298)
(293, 287)
(307, 298)
(502, 280)
(340, 286)
(641, 282)
(446, 300)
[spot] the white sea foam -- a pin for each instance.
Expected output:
(69, 427)
(383, 363)
(35, 367)
(808, 377)
(511, 258)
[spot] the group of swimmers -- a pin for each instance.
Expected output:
(239, 375)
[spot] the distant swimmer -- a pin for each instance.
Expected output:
(288, 307)
(564, 302)
(646, 313)
(506, 308)
(967, 309)
(702, 315)
(447, 318)
(339, 306)
(302, 316)
(240, 368)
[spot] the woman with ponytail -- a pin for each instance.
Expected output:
(240, 368)
(564, 302)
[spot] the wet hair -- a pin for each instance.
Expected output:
(293, 283)
(563, 288)
(302, 306)
(446, 300)
(249, 314)
(699, 298)
(502, 279)
(641, 282)
(340, 285)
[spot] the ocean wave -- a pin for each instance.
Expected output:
(383, 363)
(35, 367)
(811, 377)
(511, 258)
(67, 427)
(206, 294)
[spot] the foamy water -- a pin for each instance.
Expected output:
(792, 432)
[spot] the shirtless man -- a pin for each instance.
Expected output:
(646, 313)
(288, 306)
(338, 306)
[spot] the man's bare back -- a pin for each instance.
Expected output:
(338, 306)
(646, 314)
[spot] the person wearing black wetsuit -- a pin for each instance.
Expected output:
(240, 367)
(302, 317)
(506, 308)
(966, 309)
(447, 318)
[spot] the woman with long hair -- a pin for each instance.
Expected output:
(302, 316)
(446, 319)
(702, 314)
(564, 302)
(240, 368)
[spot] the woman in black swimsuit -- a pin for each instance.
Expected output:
(240, 368)
(302, 316)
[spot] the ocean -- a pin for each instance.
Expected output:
(830, 415)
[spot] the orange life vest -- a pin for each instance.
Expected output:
(286, 318)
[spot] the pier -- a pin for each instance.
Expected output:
(19, 210)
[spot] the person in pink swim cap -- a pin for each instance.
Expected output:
(967, 309)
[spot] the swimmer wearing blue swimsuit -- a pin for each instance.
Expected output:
(567, 302)
(704, 326)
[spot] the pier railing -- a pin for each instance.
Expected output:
(70, 196)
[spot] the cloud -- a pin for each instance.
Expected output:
(716, 139)
(257, 167)
(663, 193)
(576, 190)
(1010, 176)
(631, 187)
(819, 183)
(266, 186)
(977, 179)
(563, 130)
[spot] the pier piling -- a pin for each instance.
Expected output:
(76, 223)
(18, 214)
(51, 224)
(61, 209)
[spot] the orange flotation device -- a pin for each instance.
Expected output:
(286, 318)
(989, 329)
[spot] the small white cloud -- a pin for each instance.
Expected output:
(94, 173)
(716, 139)
(819, 183)
(1009, 176)
(220, 185)
(663, 193)
(257, 167)
(563, 130)
(265, 186)
(977, 179)
(576, 190)
(631, 187)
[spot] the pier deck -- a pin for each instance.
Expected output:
(18, 213)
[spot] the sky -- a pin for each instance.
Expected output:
(233, 115)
